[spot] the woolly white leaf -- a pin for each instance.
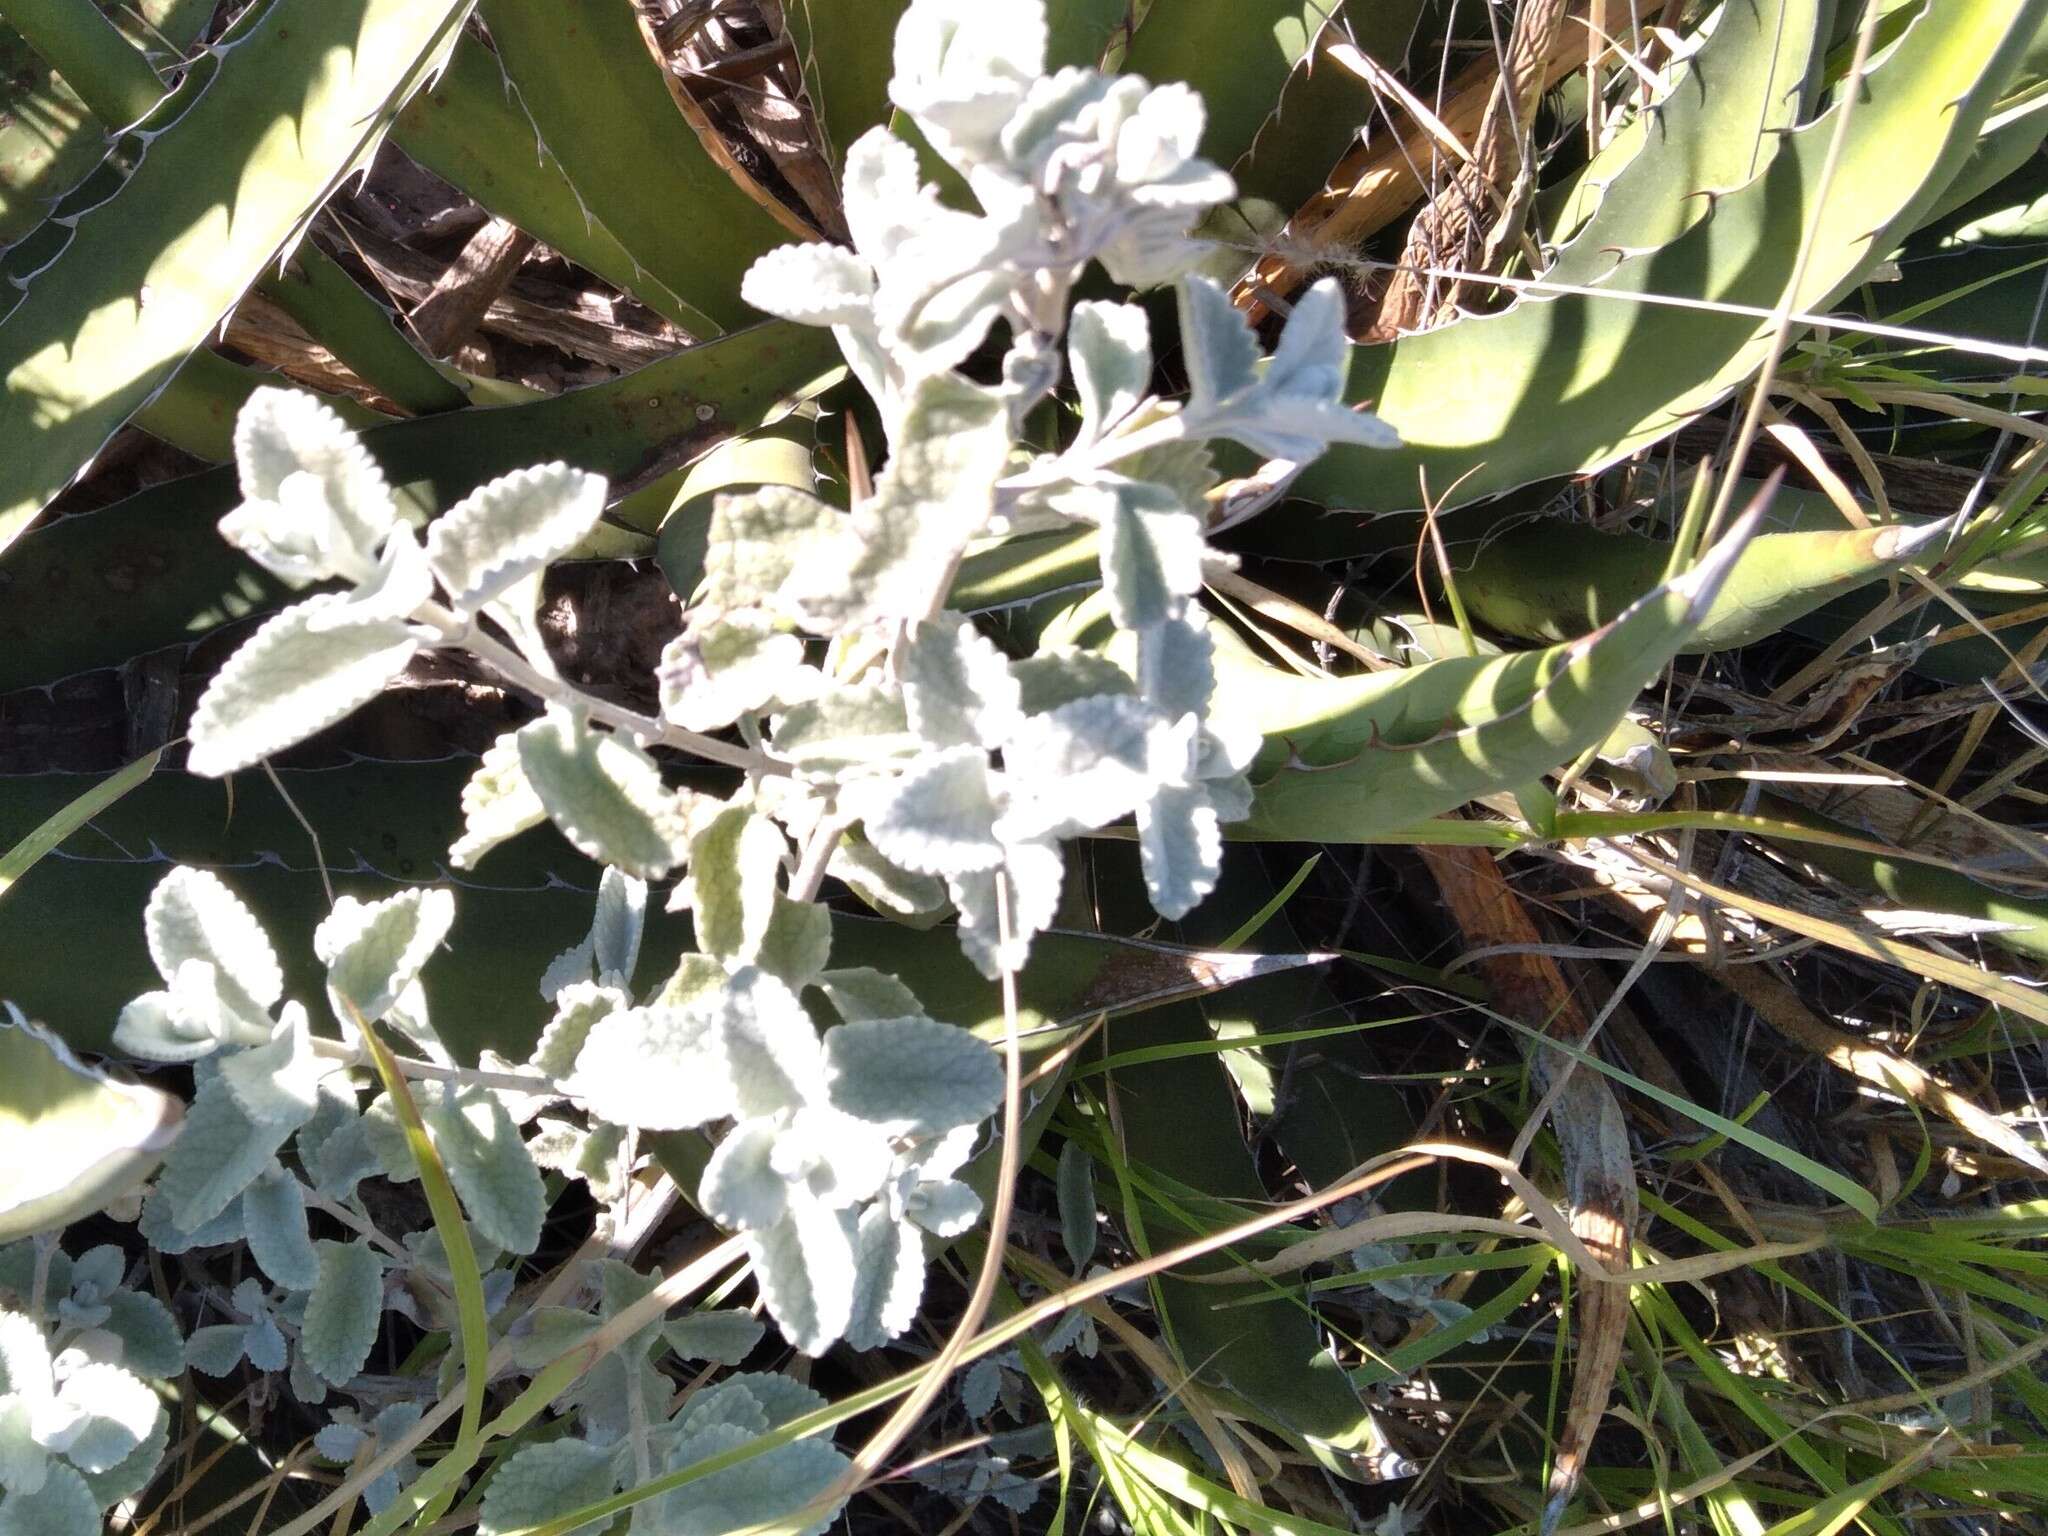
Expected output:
(1080, 766)
(342, 1313)
(728, 1404)
(1295, 409)
(944, 1207)
(298, 674)
(1151, 555)
(577, 1010)
(218, 1155)
(755, 538)
(274, 1211)
(978, 1388)
(771, 1047)
(862, 992)
(735, 862)
(612, 947)
(278, 1082)
(150, 1342)
(1304, 383)
(894, 558)
(805, 1267)
(740, 1187)
(340, 1441)
(178, 1025)
(62, 1505)
(962, 68)
(658, 1068)
(1035, 871)
(343, 1160)
(489, 1165)
(780, 1398)
(1176, 664)
(811, 284)
(1182, 848)
(597, 1156)
(263, 1342)
(314, 503)
(132, 1473)
(912, 1075)
(161, 1231)
(798, 943)
(1109, 350)
(957, 686)
(889, 1279)
(739, 664)
(192, 915)
(23, 1463)
(24, 1357)
(846, 728)
(510, 528)
(604, 793)
(830, 1157)
(724, 1337)
(1221, 353)
(885, 886)
(938, 817)
(763, 1490)
(538, 1482)
(116, 1413)
(374, 950)
(695, 979)
(497, 803)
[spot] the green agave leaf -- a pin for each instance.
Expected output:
(1364, 756)
(845, 52)
(1238, 54)
(115, 78)
(149, 272)
(50, 140)
(385, 827)
(336, 311)
(1714, 132)
(1322, 106)
(1178, 1113)
(1555, 581)
(594, 92)
(472, 132)
(96, 588)
(72, 1138)
(1568, 384)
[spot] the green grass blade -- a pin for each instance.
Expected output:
(24, 855)
(473, 1335)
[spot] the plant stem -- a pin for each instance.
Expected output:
(454, 633)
